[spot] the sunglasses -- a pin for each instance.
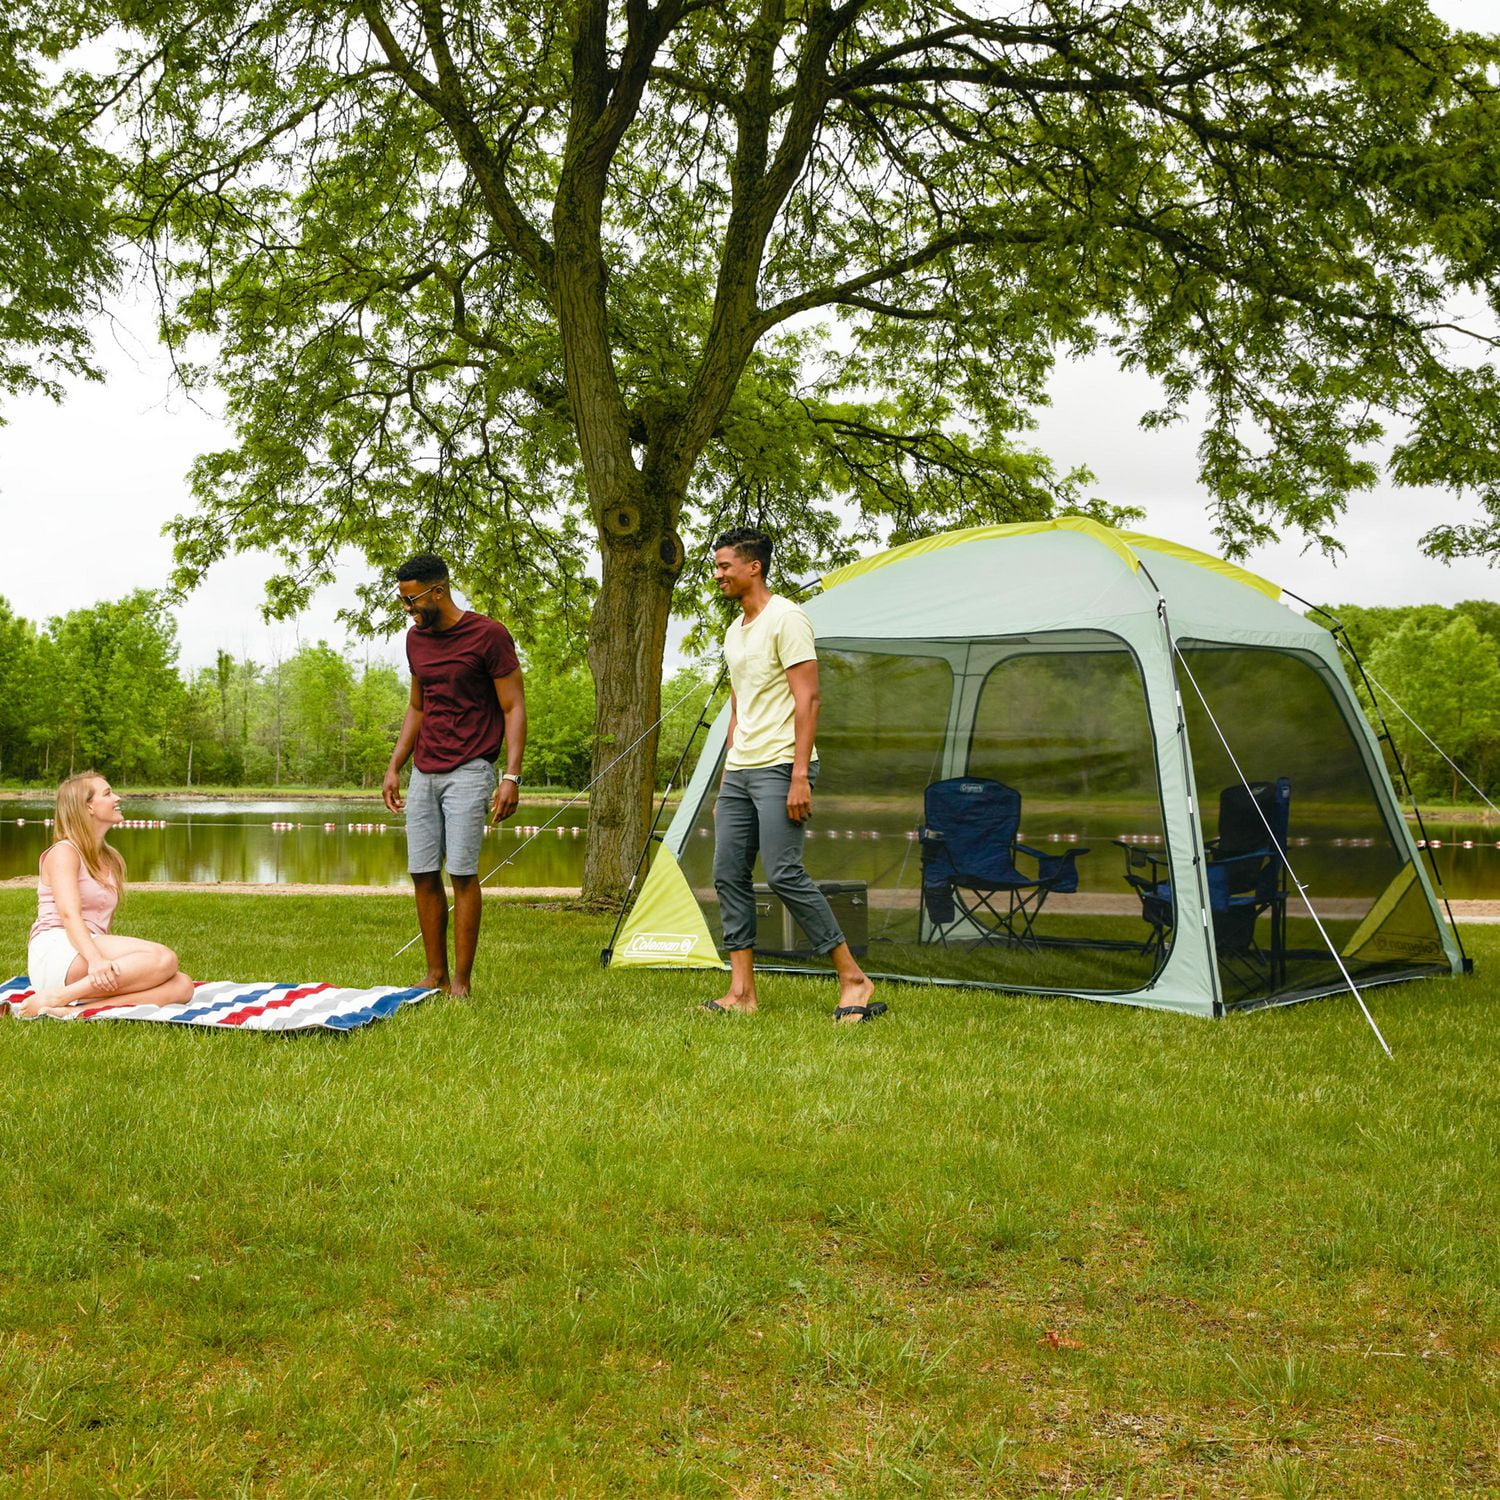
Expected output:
(409, 602)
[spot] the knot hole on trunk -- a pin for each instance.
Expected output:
(622, 519)
(672, 552)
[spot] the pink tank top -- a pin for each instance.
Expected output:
(96, 900)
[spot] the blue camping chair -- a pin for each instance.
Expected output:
(969, 854)
(1246, 873)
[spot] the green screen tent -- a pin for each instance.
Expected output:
(1128, 689)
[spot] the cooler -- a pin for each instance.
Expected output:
(778, 935)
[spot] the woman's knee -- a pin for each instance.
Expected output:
(163, 962)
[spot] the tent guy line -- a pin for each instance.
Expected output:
(1453, 765)
(1290, 869)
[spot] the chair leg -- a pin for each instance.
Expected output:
(1028, 911)
(999, 928)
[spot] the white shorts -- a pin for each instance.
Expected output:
(49, 956)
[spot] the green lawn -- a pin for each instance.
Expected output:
(576, 1238)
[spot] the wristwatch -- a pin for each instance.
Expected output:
(510, 776)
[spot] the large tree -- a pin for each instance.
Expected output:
(520, 282)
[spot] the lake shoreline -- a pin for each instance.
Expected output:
(270, 794)
(1476, 813)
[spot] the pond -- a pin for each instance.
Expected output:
(357, 842)
(336, 842)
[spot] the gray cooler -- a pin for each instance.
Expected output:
(778, 935)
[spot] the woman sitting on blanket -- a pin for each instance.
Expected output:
(73, 959)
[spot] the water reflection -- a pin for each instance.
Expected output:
(296, 843)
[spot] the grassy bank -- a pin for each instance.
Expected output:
(577, 1238)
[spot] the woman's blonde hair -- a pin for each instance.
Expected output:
(74, 824)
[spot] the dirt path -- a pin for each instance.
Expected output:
(1465, 911)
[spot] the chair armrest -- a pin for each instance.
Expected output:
(1249, 856)
(1056, 871)
(1137, 856)
(1038, 855)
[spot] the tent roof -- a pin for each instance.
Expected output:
(1125, 544)
(1068, 574)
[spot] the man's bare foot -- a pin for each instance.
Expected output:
(459, 989)
(431, 981)
(744, 1005)
(854, 994)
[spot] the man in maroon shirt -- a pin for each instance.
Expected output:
(468, 704)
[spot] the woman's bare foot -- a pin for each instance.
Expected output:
(37, 1002)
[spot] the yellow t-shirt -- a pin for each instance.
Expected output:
(758, 655)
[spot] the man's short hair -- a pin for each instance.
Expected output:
(749, 544)
(425, 567)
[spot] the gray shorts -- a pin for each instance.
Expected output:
(446, 814)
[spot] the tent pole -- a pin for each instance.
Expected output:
(1195, 821)
(1271, 834)
(1341, 635)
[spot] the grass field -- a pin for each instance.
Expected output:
(576, 1238)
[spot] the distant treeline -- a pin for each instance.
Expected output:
(102, 687)
(1443, 667)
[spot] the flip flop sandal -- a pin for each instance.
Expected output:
(864, 1012)
(716, 1008)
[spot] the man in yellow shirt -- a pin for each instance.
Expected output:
(770, 766)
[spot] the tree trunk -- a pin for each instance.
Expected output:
(627, 641)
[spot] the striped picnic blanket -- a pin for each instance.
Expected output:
(250, 1007)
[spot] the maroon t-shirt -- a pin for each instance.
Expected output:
(461, 718)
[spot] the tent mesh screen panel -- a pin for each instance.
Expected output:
(1064, 723)
(1282, 718)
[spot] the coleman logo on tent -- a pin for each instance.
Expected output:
(660, 944)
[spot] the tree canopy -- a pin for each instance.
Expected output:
(517, 283)
(56, 245)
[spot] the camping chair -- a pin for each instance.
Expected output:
(969, 854)
(1246, 878)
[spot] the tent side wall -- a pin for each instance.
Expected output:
(1390, 799)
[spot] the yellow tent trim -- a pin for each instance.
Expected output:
(665, 929)
(1120, 542)
(1375, 917)
(1204, 560)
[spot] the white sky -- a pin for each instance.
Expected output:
(86, 487)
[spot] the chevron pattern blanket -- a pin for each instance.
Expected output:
(260, 1006)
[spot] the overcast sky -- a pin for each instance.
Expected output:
(86, 487)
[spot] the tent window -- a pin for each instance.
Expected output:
(1282, 717)
(1066, 727)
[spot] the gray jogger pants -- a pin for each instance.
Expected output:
(749, 819)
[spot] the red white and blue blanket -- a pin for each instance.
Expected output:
(250, 1007)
